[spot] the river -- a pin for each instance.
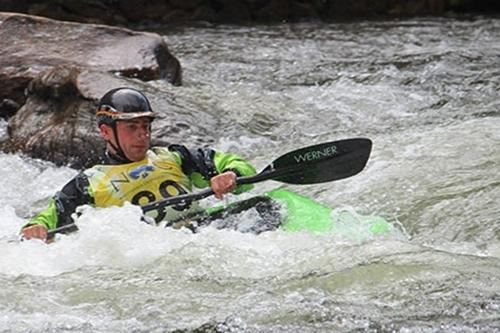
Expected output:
(425, 91)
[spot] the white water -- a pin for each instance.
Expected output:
(425, 92)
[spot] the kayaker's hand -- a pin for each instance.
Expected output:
(223, 183)
(35, 231)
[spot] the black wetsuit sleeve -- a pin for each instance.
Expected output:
(73, 194)
(199, 160)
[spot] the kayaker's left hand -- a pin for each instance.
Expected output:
(37, 231)
(223, 183)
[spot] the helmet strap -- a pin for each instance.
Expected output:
(118, 155)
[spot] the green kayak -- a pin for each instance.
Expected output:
(288, 211)
(307, 214)
(278, 209)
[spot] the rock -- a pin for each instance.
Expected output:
(53, 73)
(30, 45)
(56, 123)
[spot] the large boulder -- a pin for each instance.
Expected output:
(30, 45)
(55, 72)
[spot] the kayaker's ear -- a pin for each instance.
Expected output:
(106, 132)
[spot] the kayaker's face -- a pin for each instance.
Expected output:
(134, 137)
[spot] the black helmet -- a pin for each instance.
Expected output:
(123, 104)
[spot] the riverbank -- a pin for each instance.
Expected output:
(175, 12)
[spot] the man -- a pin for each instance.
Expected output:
(134, 172)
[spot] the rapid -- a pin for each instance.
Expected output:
(425, 91)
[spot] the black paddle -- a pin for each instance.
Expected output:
(310, 165)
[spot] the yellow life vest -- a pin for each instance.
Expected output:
(157, 176)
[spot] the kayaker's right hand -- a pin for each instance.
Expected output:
(223, 183)
(35, 231)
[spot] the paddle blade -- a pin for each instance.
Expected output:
(321, 163)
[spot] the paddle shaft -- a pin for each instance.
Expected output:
(186, 198)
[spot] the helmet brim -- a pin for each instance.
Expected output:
(116, 115)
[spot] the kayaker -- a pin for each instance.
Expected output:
(132, 171)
